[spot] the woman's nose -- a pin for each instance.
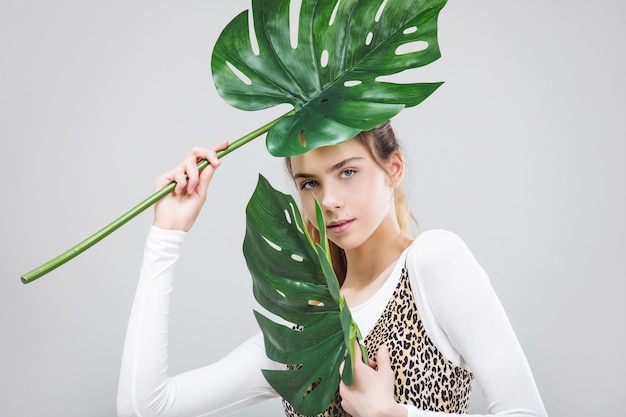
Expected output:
(330, 199)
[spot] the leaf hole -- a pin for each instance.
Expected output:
(297, 258)
(411, 47)
(272, 244)
(324, 59)
(334, 13)
(352, 83)
(316, 303)
(369, 38)
(287, 216)
(282, 294)
(254, 43)
(380, 11)
(243, 77)
(410, 30)
(293, 212)
(302, 139)
(294, 21)
(312, 387)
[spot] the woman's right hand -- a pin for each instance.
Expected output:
(179, 209)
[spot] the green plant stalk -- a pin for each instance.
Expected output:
(139, 208)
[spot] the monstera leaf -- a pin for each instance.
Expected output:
(293, 279)
(326, 65)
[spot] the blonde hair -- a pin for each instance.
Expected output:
(381, 143)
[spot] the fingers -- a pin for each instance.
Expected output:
(186, 175)
(382, 363)
(382, 357)
(207, 174)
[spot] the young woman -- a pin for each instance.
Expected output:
(432, 321)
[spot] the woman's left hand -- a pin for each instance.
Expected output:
(372, 391)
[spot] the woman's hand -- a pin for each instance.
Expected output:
(179, 209)
(372, 393)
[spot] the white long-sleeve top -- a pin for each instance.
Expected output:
(461, 313)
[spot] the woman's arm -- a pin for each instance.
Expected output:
(456, 292)
(465, 320)
(145, 388)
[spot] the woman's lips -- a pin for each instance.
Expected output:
(339, 226)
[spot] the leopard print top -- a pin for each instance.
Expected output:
(424, 377)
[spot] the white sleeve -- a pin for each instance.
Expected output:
(145, 388)
(465, 308)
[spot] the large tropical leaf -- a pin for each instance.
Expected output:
(330, 74)
(293, 279)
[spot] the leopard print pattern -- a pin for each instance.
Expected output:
(424, 377)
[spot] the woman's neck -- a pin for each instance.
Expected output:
(369, 265)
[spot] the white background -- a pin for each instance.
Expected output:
(520, 152)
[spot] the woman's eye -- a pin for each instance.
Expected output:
(347, 173)
(308, 185)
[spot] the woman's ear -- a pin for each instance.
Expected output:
(395, 168)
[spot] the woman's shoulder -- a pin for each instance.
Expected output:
(437, 244)
(441, 253)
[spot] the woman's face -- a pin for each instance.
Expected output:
(355, 194)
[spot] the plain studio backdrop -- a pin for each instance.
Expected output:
(520, 152)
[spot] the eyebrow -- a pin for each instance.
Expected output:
(335, 167)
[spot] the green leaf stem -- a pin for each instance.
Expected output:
(133, 212)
